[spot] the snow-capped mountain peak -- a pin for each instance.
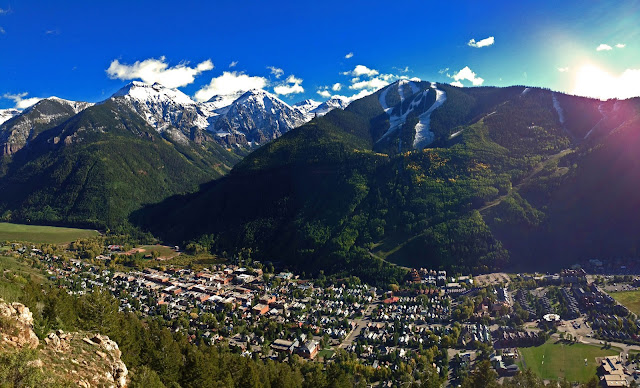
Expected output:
(144, 92)
(258, 115)
(307, 105)
(7, 114)
(162, 107)
(334, 102)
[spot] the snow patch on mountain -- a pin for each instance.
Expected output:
(8, 114)
(604, 116)
(221, 101)
(260, 116)
(77, 106)
(397, 120)
(424, 136)
(307, 105)
(335, 102)
(558, 108)
(162, 107)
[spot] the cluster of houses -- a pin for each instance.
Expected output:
(244, 301)
(522, 297)
(475, 333)
(512, 338)
(430, 277)
(428, 309)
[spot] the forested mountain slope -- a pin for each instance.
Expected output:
(331, 195)
(99, 165)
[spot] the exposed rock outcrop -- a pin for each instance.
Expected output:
(86, 360)
(17, 326)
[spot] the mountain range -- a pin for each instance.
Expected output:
(417, 173)
(428, 175)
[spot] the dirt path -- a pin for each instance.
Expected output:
(526, 179)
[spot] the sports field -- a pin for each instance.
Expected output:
(629, 299)
(42, 234)
(558, 360)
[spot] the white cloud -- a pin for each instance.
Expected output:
(21, 102)
(390, 77)
(442, 71)
(563, 69)
(467, 74)
(288, 89)
(350, 55)
(360, 94)
(621, 45)
(402, 70)
(361, 70)
(230, 82)
(458, 84)
(592, 81)
(2, 31)
(373, 83)
(157, 70)
(604, 47)
(292, 86)
(276, 71)
(481, 43)
(233, 64)
(336, 87)
(324, 93)
(293, 80)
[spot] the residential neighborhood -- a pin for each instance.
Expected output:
(278, 314)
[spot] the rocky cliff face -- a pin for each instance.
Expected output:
(81, 359)
(18, 131)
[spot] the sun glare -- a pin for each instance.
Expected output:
(592, 81)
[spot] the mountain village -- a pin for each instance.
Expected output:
(461, 318)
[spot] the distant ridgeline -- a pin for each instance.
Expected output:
(418, 173)
(489, 178)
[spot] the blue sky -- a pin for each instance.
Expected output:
(65, 48)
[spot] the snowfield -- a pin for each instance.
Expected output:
(424, 136)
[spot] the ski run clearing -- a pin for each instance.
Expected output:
(423, 136)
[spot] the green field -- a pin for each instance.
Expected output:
(42, 234)
(326, 353)
(161, 250)
(629, 299)
(556, 360)
(14, 274)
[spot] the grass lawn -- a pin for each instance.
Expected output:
(326, 353)
(556, 360)
(163, 251)
(629, 299)
(42, 234)
(14, 274)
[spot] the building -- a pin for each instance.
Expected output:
(612, 372)
(308, 350)
(284, 346)
(260, 309)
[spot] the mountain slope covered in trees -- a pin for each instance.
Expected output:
(101, 164)
(330, 195)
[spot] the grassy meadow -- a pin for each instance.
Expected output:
(42, 234)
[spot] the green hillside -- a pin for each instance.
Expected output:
(321, 197)
(99, 166)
